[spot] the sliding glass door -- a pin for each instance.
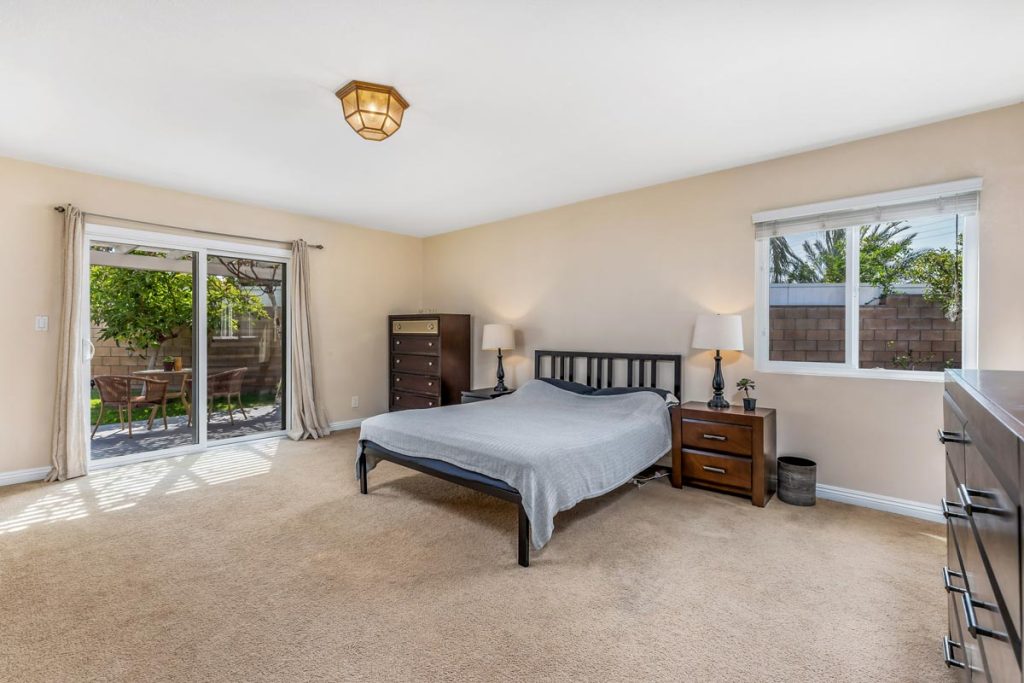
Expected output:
(142, 302)
(245, 346)
(188, 340)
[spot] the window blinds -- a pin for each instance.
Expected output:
(961, 197)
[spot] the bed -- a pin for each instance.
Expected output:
(543, 448)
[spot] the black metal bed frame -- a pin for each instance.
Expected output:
(600, 373)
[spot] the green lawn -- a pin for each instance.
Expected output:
(174, 407)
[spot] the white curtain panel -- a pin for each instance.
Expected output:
(69, 452)
(307, 420)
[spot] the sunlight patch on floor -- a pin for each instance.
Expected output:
(226, 464)
(121, 488)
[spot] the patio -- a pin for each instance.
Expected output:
(111, 440)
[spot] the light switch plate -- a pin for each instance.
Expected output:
(42, 323)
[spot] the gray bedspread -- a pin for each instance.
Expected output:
(555, 447)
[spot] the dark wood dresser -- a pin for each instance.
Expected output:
(983, 434)
(725, 449)
(429, 359)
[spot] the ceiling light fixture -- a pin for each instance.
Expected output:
(374, 111)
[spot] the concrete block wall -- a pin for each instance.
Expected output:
(906, 332)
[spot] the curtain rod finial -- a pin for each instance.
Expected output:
(59, 209)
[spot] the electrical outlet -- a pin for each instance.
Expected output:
(42, 323)
(355, 401)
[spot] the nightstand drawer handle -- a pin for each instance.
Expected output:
(716, 470)
(715, 437)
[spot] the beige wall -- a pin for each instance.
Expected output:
(359, 278)
(631, 271)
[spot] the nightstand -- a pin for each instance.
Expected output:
(729, 449)
(484, 394)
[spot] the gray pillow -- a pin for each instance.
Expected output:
(615, 391)
(574, 387)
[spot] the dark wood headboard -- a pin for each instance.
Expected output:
(603, 369)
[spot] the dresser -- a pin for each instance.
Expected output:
(429, 359)
(725, 449)
(983, 437)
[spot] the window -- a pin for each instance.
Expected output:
(882, 286)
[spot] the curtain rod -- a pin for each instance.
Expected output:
(60, 209)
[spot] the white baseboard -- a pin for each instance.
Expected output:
(22, 476)
(899, 506)
(346, 424)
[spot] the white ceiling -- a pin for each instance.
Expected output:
(516, 105)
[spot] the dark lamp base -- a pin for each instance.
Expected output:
(718, 402)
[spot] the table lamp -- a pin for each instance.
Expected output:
(718, 332)
(498, 336)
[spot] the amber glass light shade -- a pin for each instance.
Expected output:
(374, 111)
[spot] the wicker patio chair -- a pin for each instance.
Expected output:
(116, 390)
(225, 385)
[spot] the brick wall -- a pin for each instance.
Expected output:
(111, 359)
(904, 333)
(224, 354)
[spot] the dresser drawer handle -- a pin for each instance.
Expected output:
(716, 470)
(397, 361)
(430, 384)
(947, 579)
(430, 403)
(430, 364)
(715, 437)
(949, 514)
(970, 507)
(972, 618)
(952, 437)
(947, 653)
(398, 342)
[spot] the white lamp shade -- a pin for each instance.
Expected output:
(720, 332)
(498, 336)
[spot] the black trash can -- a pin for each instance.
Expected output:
(798, 479)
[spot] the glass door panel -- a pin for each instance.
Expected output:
(142, 303)
(245, 368)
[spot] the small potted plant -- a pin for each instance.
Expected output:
(746, 385)
(168, 363)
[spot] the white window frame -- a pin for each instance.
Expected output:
(969, 290)
(202, 247)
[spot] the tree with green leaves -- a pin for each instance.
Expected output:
(886, 257)
(941, 271)
(142, 309)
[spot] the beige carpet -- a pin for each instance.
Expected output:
(264, 563)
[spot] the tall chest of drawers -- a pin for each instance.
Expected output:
(429, 359)
(983, 435)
